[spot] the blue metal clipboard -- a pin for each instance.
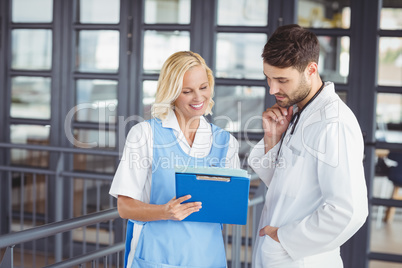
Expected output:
(223, 192)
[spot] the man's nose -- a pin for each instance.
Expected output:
(273, 88)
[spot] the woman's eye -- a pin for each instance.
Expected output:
(204, 87)
(186, 92)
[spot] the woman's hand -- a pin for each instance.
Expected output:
(175, 210)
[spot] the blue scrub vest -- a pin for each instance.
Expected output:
(178, 243)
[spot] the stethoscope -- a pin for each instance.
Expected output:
(295, 119)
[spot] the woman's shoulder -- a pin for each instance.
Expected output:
(140, 129)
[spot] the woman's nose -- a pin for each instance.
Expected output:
(197, 94)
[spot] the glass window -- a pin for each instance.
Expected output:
(32, 11)
(238, 55)
(158, 46)
(389, 117)
(30, 134)
(391, 15)
(31, 49)
(149, 91)
(98, 11)
(243, 13)
(167, 11)
(94, 163)
(323, 14)
(98, 51)
(391, 18)
(390, 61)
(30, 97)
(245, 147)
(239, 108)
(96, 101)
(333, 64)
(100, 139)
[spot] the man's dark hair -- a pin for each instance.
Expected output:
(291, 46)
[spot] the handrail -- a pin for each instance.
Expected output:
(28, 170)
(46, 230)
(87, 175)
(89, 256)
(255, 201)
(58, 149)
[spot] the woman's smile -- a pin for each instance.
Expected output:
(197, 106)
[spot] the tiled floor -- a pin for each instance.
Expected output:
(387, 238)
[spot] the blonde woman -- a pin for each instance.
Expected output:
(144, 182)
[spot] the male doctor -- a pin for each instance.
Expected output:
(310, 159)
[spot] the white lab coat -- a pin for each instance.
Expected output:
(317, 192)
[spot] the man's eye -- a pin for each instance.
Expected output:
(282, 81)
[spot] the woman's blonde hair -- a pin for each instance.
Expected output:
(170, 82)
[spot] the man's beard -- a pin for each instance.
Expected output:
(303, 90)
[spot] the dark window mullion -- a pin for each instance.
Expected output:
(390, 33)
(241, 29)
(167, 27)
(389, 89)
(25, 121)
(150, 76)
(94, 126)
(32, 26)
(133, 92)
(240, 82)
(333, 32)
(112, 27)
(39, 73)
(101, 76)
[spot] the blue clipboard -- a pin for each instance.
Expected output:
(224, 193)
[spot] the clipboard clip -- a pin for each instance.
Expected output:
(212, 178)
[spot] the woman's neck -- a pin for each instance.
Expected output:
(188, 126)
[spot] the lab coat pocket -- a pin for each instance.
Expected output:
(271, 246)
(293, 173)
(273, 253)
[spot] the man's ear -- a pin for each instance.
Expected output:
(312, 69)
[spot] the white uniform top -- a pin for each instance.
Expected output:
(133, 176)
(317, 192)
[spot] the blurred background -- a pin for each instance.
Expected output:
(76, 75)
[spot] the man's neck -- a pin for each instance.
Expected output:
(314, 89)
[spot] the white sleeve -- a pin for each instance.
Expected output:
(232, 154)
(345, 208)
(133, 175)
(263, 163)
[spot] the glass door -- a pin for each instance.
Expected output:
(386, 227)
